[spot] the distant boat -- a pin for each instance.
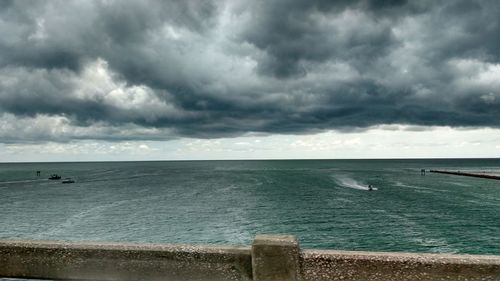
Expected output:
(54, 177)
(68, 180)
(370, 188)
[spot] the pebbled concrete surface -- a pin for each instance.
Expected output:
(112, 261)
(320, 265)
(270, 257)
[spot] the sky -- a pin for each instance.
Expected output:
(182, 80)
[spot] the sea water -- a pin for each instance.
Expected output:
(325, 203)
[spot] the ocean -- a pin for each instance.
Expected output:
(326, 204)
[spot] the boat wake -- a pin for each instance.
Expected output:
(418, 187)
(21, 181)
(352, 183)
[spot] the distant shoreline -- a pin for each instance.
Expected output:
(228, 160)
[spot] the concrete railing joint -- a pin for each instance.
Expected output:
(275, 258)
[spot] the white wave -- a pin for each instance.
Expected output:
(460, 184)
(82, 217)
(228, 188)
(257, 181)
(400, 184)
(480, 202)
(352, 183)
(21, 181)
(419, 188)
(77, 219)
(438, 245)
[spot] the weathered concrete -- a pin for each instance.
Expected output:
(275, 258)
(371, 266)
(108, 261)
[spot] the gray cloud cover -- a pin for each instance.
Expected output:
(165, 69)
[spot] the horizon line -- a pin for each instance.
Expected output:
(259, 159)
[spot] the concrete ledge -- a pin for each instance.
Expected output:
(276, 258)
(320, 265)
(111, 261)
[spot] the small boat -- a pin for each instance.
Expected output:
(370, 188)
(54, 177)
(68, 180)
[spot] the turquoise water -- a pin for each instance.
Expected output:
(323, 202)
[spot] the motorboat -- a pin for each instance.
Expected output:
(54, 177)
(68, 180)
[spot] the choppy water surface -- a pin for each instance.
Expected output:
(324, 203)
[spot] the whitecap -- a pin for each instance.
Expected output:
(345, 181)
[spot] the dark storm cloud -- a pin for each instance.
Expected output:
(215, 68)
(292, 33)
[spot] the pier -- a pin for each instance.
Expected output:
(467, 174)
(269, 258)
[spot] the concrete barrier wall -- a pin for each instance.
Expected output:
(107, 261)
(271, 258)
(370, 266)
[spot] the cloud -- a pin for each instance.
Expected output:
(296, 35)
(124, 70)
(82, 148)
(45, 128)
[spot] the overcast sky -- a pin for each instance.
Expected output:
(143, 80)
